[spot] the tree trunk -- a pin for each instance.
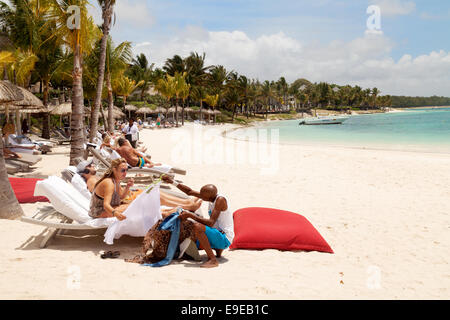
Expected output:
(182, 114)
(76, 121)
(107, 12)
(105, 121)
(176, 113)
(234, 112)
(201, 107)
(110, 102)
(46, 116)
(10, 208)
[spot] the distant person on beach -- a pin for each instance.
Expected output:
(132, 156)
(25, 128)
(215, 232)
(158, 121)
(131, 131)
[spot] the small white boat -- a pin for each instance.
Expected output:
(324, 120)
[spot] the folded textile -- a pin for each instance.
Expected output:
(155, 247)
(172, 224)
(141, 215)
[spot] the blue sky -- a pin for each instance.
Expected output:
(283, 35)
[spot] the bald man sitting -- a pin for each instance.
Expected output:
(215, 232)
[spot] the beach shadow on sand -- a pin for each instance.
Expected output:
(73, 240)
(79, 241)
(196, 264)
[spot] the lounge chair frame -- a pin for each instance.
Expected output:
(41, 217)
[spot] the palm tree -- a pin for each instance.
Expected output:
(198, 93)
(185, 91)
(10, 208)
(141, 70)
(268, 94)
(117, 60)
(212, 101)
(283, 89)
(27, 25)
(181, 89)
(165, 87)
(375, 93)
(80, 39)
(216, 79)
(107, 12)
(124, 86)
(173, 65)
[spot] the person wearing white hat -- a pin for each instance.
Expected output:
(86, 169)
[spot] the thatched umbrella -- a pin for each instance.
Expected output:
(216, 112)
(209, 113)
(172, 110)
(9, 93)
(161, 110)
(63, 109)
(117, 113)
(129, 108)
(28, 104)
(144, 110)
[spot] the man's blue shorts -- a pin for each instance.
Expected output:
(216, 239)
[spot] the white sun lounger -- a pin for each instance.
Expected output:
(72, 208)
(107, 163)
(42, 217)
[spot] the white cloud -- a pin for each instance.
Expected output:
(133, 13)
(364, 61)
(137, 13)
(395, 7)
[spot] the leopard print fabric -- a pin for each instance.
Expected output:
(156, 242)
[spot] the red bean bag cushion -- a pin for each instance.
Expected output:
(265, 228)
(24, 190)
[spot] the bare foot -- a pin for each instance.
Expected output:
(219, 252)
(210, 264)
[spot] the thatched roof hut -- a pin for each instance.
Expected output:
(30, 103)
(62, 109)
(9, 92)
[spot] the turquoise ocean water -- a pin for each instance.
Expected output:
(409, 130)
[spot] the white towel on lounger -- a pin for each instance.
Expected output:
(141, 215)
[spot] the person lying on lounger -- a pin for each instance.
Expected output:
(86, 169)
(8, 154)
(215, 232)
(134, 158)
(107, 195)
(11, 143)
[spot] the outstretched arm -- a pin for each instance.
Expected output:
(181, 187)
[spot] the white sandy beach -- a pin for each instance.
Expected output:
(384, 213)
